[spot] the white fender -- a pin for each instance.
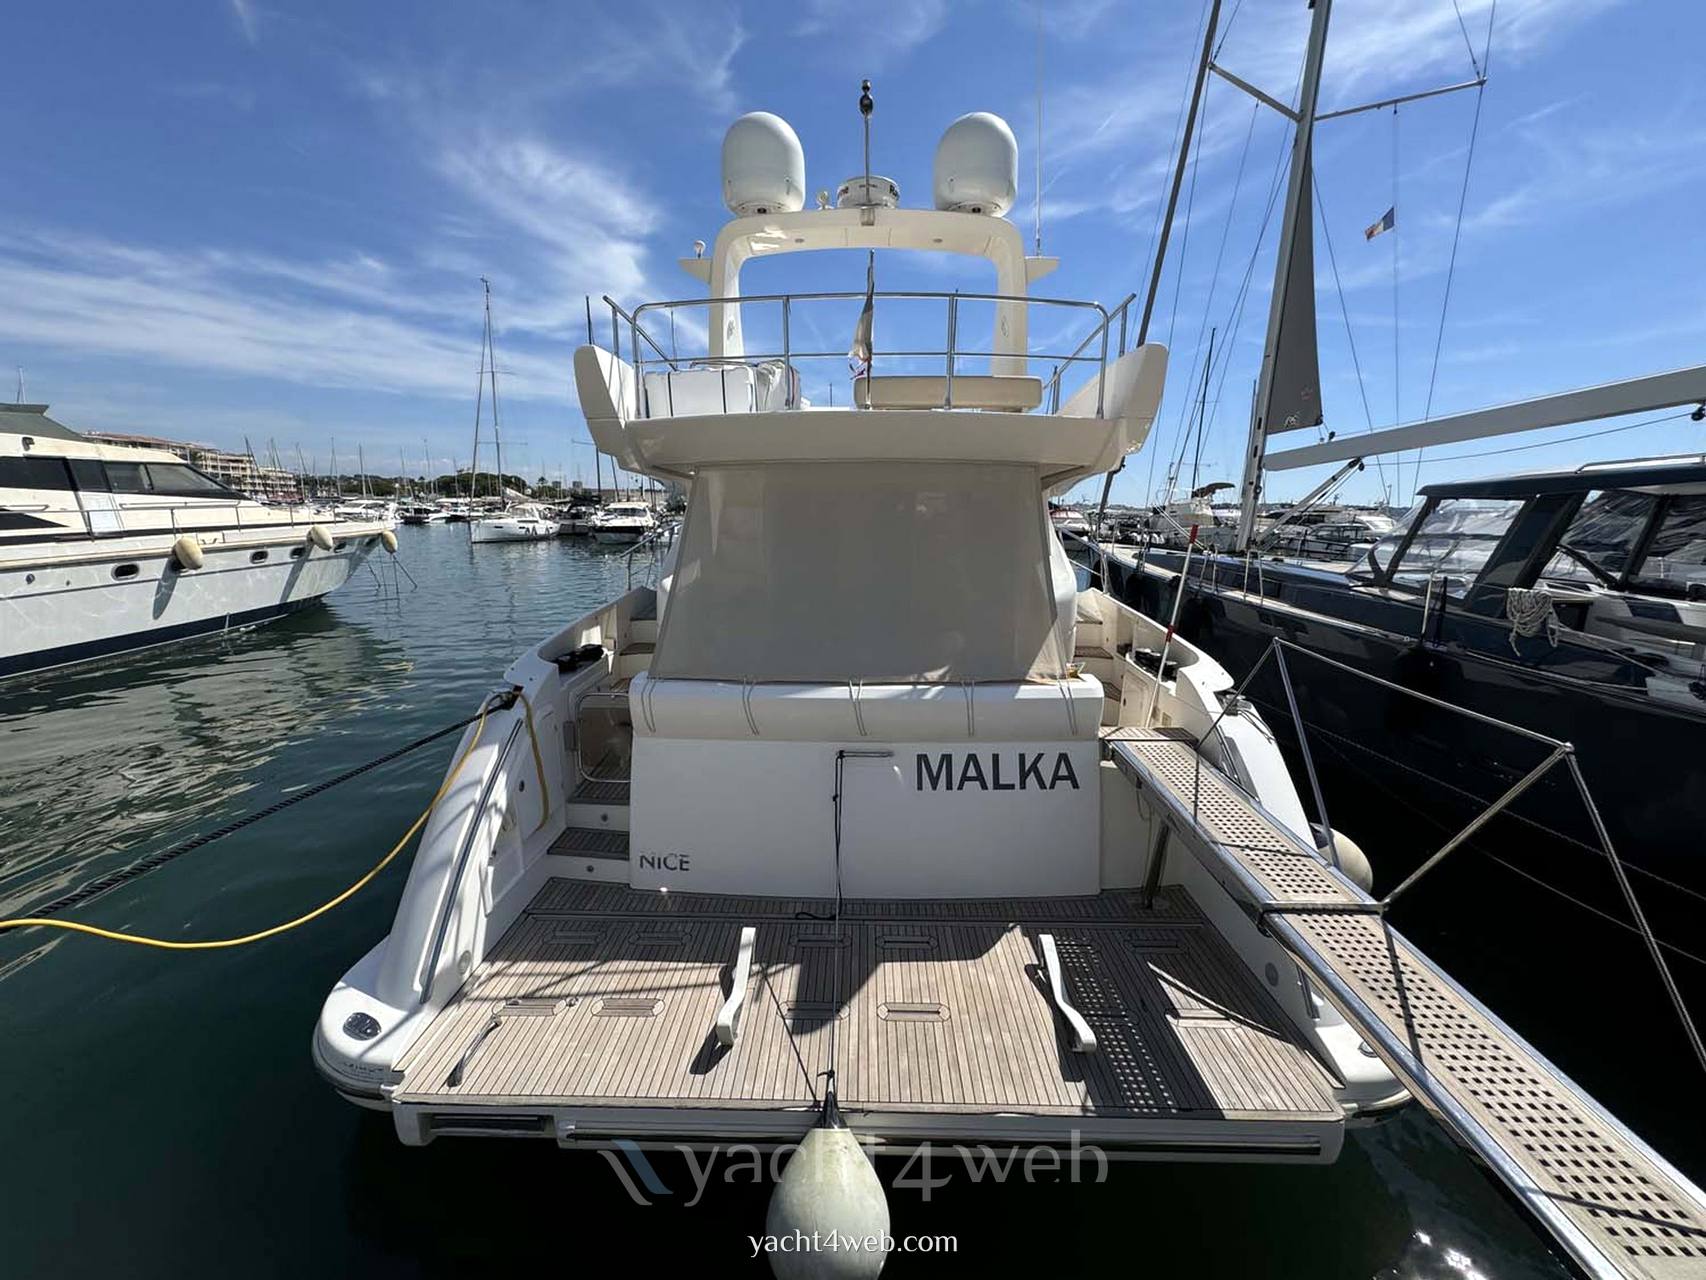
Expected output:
(187, 552)
(318, 535)
(1353, 861)
(388, 540)
(828, 1187)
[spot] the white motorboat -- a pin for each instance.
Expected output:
(864, 822)
(1070, 520)
(374, 510)
(418, 513)
(108, 548)
(523, 522)
(622, 522)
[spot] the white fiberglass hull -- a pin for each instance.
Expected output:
(64, 603)
(512, 530)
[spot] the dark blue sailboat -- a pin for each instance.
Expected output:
(1570, 604)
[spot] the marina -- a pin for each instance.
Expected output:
(842, 839)
(375, 674)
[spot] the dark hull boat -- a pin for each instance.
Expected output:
(1567, 605)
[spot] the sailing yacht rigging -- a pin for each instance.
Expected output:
(1562, 602)
(513, 521)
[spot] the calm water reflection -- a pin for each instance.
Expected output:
(163, 1117)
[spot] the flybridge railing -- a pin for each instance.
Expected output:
(1106, 339)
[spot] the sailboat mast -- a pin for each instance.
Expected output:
(1297, 204)
(479, 404)
(492, 351)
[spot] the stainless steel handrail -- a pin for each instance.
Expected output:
(664, 532)
(1120, 311)
(634, 325)
(464, 857)
(1099, 335)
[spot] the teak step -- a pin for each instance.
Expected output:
(588, 842)
(634, 657)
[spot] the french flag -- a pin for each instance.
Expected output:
(1388, 220)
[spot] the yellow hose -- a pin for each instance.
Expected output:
(215, 944)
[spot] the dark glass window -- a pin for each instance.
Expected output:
(1676, 557)
(90, 475)
(1454, 542)
(128, 477)
(1597, 545)
(182, 480)
(34, 473)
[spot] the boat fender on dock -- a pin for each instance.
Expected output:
(828, 1189)
(319, 537)
(187, 553)
(388, 540)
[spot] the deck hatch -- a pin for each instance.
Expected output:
(628, 1007)
(912, 1011)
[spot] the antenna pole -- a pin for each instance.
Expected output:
(1296, 195)
(1167, 219)
(1037, 234)
(866, 105)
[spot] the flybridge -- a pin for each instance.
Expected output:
(734, 363)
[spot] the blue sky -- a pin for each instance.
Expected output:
(230, 218)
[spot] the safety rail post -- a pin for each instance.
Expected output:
(1677, 1002)
(1102, 373)
(953, 334)
(1332, 844)
(787, 356)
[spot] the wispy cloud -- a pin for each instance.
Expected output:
(873, 36)
(332, 325)
(247, 21)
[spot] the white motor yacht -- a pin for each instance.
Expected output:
(523, 522)
(424, 512)
(623, 522)
(378, 510)
(108, 548)
(863, 820)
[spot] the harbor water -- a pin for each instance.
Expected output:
(164, 1118)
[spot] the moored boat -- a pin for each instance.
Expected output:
(865, 822)
(622, 523)
(109, 548)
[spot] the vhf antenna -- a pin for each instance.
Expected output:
(866, 106)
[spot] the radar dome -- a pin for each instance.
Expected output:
(764, 168)
(977, 166)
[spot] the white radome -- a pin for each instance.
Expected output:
(977, 166)
(764, 166)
